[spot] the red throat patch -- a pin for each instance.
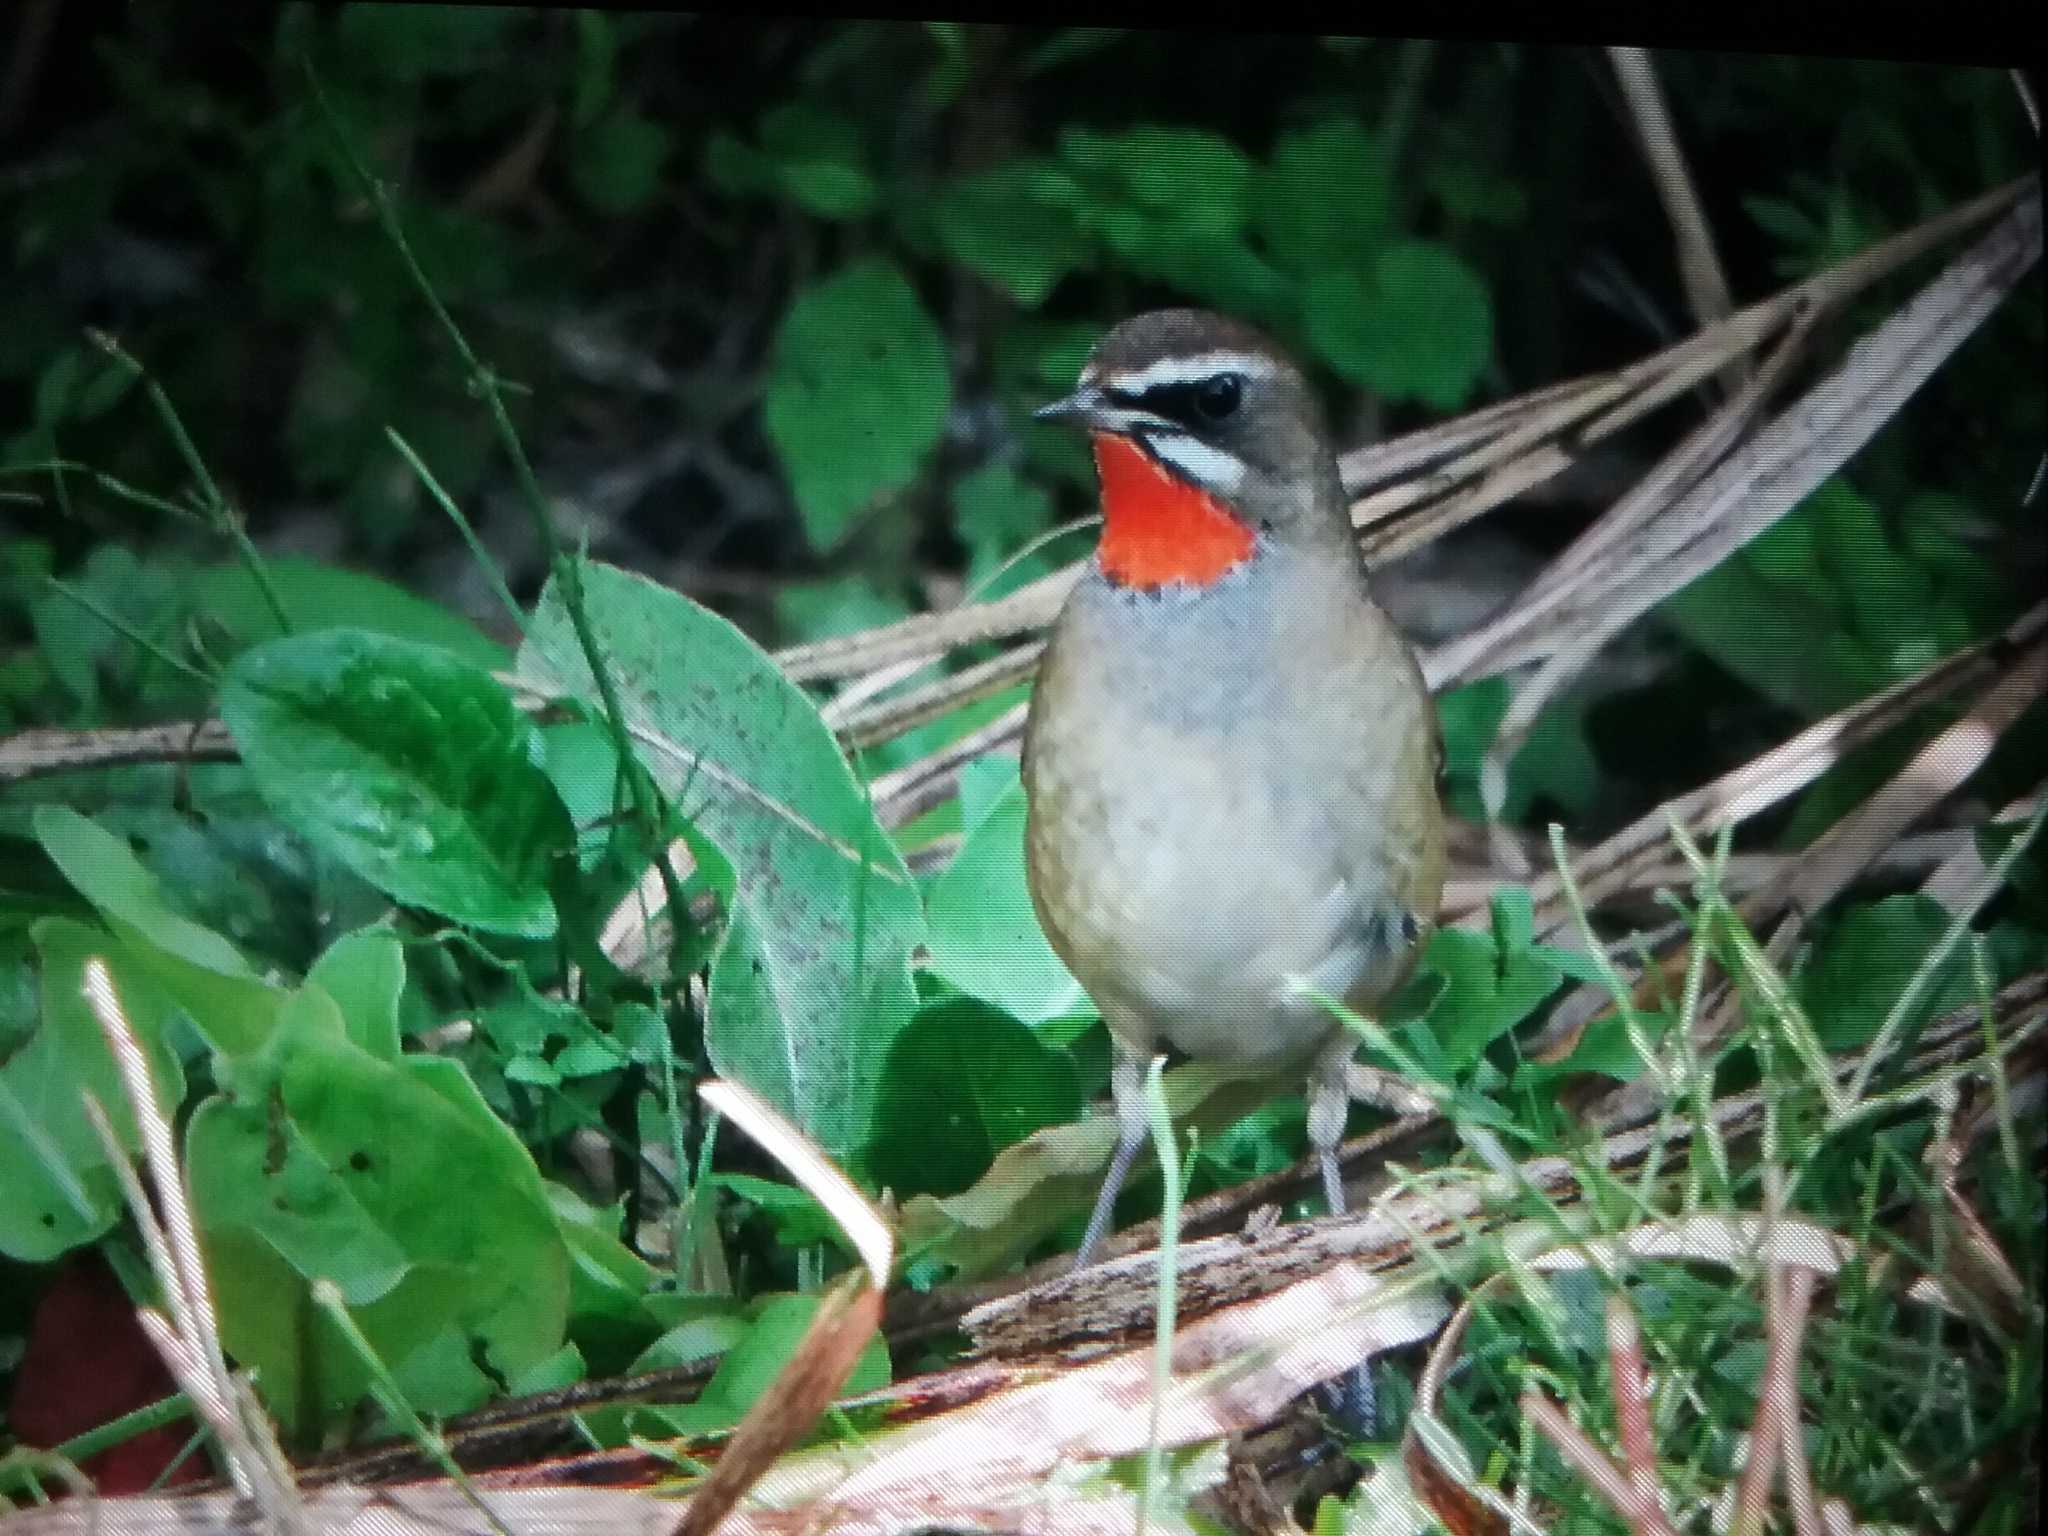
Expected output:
(1156, 527)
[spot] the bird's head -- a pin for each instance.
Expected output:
(1207, 440)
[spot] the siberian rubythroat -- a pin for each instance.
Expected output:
(1231, 759)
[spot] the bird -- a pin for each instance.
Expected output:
(1231, 760)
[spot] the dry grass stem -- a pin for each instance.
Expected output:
(1706, 285)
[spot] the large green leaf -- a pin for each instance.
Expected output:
(317, 596)
(807, 153)
(857, 395)
(812, 980)
(1860, 970)
(985, 937)
(965, 1080)
(1014, 225)
(392, 1179)
(207, 976)
(1416, 324)
(409, 765)
(1192, 174)
(56, 1188)
(1324, 202)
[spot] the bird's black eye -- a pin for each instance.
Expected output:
(1217, 399)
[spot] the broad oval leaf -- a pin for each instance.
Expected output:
(393, 1179)
(1417, 326)
(812, 979)
(965, 1080)
(857, 396)
(410, 766)
(317, 596)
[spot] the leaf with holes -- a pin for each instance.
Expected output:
(393, 1179)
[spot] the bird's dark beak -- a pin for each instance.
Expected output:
(1085, 407)
(1099, 410)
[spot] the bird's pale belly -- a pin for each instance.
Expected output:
(1186, 927)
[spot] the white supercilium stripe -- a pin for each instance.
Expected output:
(1206, 466)
(1191, 370)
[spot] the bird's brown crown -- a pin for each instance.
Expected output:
(1206, 438)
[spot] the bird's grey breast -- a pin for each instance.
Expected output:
(1204, 855)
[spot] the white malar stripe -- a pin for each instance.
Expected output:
(1206, 466)
(1191, 370)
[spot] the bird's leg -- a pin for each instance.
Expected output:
(1329, 1100)
(1353, 1403)
(1127, 1087)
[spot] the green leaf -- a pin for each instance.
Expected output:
(80, 385)
(616, 162)
(964, 1081)
(819, 160)
(856, 397)
(715, 1326)
(985, 937)
(1859, 970)
(229, 1003)
(609, 1319)
(1011, 226)
(1788, 642)
(1419, 326)
(1471, 717)
(798, 1219)
(1460, 178)
(78, 643)
(1200, 177)
(1556, 759)
(364, 973)
(954, 67)
(1067, 44)
(57, 1191)
(1889, 598)
(1605, 1048)
(410, 766)
(394, 1180)
(1325, 201)
(1788, 552)
(1785, 221)
(317, 596)
(1049, 1177)
(810, 155)
(1490, 988)
(751, 1365)
(812, 979)
(231, 871)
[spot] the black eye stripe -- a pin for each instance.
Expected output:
(1183, 401)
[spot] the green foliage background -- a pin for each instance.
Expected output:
(773, 301)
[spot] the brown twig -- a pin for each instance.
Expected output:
(1706, 285)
